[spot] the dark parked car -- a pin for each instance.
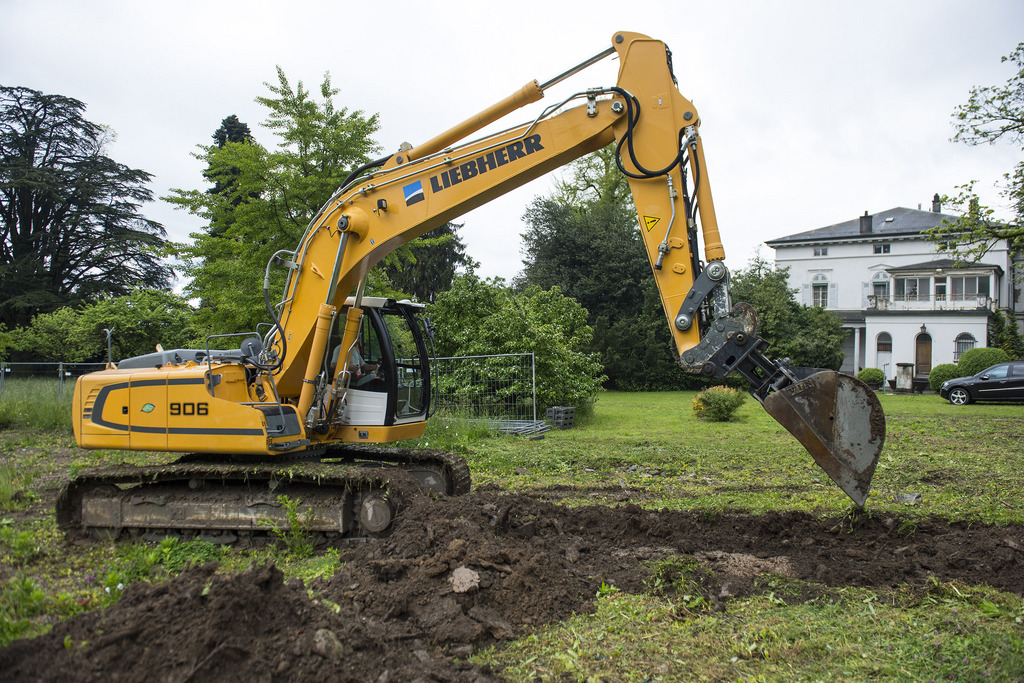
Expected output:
(1001, 382)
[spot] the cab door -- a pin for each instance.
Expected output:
(394, 387)
(408, 363)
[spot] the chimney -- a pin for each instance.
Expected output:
(936, 203)
(865, 224)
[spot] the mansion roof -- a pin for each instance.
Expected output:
(890, 223)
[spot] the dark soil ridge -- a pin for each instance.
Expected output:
(392, 612)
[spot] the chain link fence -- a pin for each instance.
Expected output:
(63, 375)
(499, 389)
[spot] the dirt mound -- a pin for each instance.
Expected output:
(462, 573)
(531, 562)
(203, 627)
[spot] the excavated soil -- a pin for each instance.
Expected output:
(464, 573)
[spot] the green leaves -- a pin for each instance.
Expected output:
(70, 218)
(478, 317)
(717, 404)
(973, 361)
(263, 199)
(991, 114)
(811, 337)
(139, 320)
(994, 112)
(585, 240)
(429, 264)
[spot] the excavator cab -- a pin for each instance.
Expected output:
(388, 371)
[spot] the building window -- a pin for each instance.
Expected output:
(969, 286)
(880, 286)
(819, 291)
(821, 251)
(964, 342)
(912, 289)
(881, 248)
(884, 342)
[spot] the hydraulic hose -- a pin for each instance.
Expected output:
(363, 169)
(632, 117)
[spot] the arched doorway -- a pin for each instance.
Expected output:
(883, 350)
(923, 355)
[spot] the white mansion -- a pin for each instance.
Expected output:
(902, 300)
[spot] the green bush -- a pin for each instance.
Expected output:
(974, 361)
(943, 373)
(717, 404)
(871, 376)
(483, 317)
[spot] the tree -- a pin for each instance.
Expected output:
(594, 179)
(1003, 334)
(69, 215)
(810, 337)
(478, 317)
(272, 196)
(224, 178)
(51, 337)
(430, 264)
(592, 252)
(139, 320)
(584, 240)
(991, 114)
(636, 349)
(231, 130)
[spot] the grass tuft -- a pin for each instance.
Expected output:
(33, 403)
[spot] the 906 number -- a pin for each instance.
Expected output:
(190, 409)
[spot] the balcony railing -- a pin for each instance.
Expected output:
(924, 302)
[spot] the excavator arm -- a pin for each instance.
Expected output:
(659, 148)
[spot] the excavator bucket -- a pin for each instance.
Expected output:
(839, 420)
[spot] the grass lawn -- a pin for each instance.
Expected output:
(967, 462)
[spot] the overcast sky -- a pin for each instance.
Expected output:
(812, 112)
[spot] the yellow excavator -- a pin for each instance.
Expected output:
(302, 407)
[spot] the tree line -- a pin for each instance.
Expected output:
(79, 257)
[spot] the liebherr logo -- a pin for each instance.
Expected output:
(486, 162)
(413, 193)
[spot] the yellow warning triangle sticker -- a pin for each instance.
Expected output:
(650, 222)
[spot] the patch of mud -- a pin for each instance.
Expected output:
(464, 573)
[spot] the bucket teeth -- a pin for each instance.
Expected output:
(840, 422)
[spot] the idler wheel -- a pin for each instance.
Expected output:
(376, 513)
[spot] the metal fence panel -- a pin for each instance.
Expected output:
(500, 389)
(60, 373)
